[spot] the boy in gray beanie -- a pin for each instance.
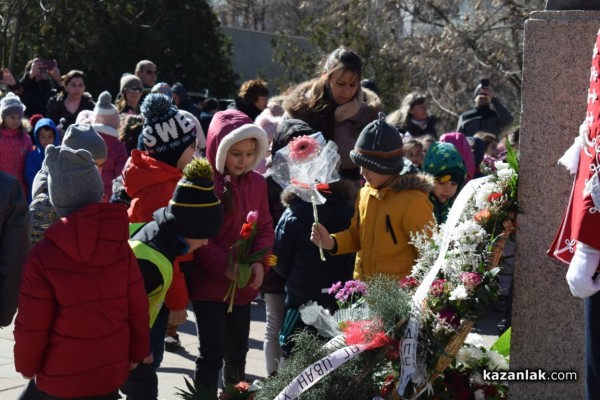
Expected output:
(82, 291)
(42, 213)
(391, 206)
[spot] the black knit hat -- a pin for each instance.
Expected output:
(167, 132)
(195, 212)
(379, 148)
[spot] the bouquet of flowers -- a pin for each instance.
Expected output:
(240, 258)
(307, 164)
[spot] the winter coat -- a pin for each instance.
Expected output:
(57, 109)
(35, 94)
(307, 277)
(382, 224)
(412, 130)
(14, 244)
(83, 311)
(14, 146)
(342, 124)
(150, 183)
(161, 237)
(485, 119)
(35, 158)
(248, 193)
(116, 157)
(249, 109)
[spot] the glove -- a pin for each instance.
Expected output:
(581, 271)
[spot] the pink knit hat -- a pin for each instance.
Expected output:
(105, 113)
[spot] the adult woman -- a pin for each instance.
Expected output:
(71, 100)
(335, 104)
(412, 118)
(130, 94)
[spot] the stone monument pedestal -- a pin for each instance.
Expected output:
(547, 320)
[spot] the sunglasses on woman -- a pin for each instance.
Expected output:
(134, 90)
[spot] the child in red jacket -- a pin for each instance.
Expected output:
(82, 323)
(150, 177)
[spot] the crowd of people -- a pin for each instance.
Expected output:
(120, 213)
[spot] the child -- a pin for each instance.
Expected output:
(149, 178)
(448, 168)
(106, 121)
(307, 277)
(460, 142)
(491, 151)
(413, 150)
(41, 211)
(83, 314)
(45, 133)
(390, 207)
(234, 147)
(15, 142)
(193, 215)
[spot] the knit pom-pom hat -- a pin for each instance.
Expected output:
(195, 211)
(105, 113)
(167, 132)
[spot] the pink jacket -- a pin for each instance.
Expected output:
(14, 146)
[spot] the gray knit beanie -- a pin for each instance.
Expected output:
(73, 179)
(83, 136)
(11, 104)
(379, 148)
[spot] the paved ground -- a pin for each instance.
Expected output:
(175, 366)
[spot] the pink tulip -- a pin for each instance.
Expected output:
(252, 217)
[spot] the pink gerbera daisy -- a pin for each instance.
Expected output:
(303, 148)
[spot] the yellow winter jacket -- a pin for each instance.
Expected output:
(382, 223)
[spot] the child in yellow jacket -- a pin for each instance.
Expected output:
(391, 206)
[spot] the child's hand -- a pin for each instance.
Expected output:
(177, 317)
(233, 272)
(149, 359)
(320, 235)
(259, 274)
(132, 365)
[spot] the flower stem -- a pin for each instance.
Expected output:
(316, 215)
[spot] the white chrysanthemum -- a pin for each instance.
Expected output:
(503, 170)
(474, 339)
(477, 378)
(460, 293)
(497, 361)
(479, 394)
(483, 193)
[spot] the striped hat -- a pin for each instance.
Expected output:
(195, 212)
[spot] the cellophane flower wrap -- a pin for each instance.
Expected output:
(240, 253)
(307, 164)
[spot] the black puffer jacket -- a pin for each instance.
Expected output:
(308, 278)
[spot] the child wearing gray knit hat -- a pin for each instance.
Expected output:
(83, 136)
(73, 179)
(41, 211)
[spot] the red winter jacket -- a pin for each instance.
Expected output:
(83, 311)
(150, 184)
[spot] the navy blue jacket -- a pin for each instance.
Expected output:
(308, 278)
